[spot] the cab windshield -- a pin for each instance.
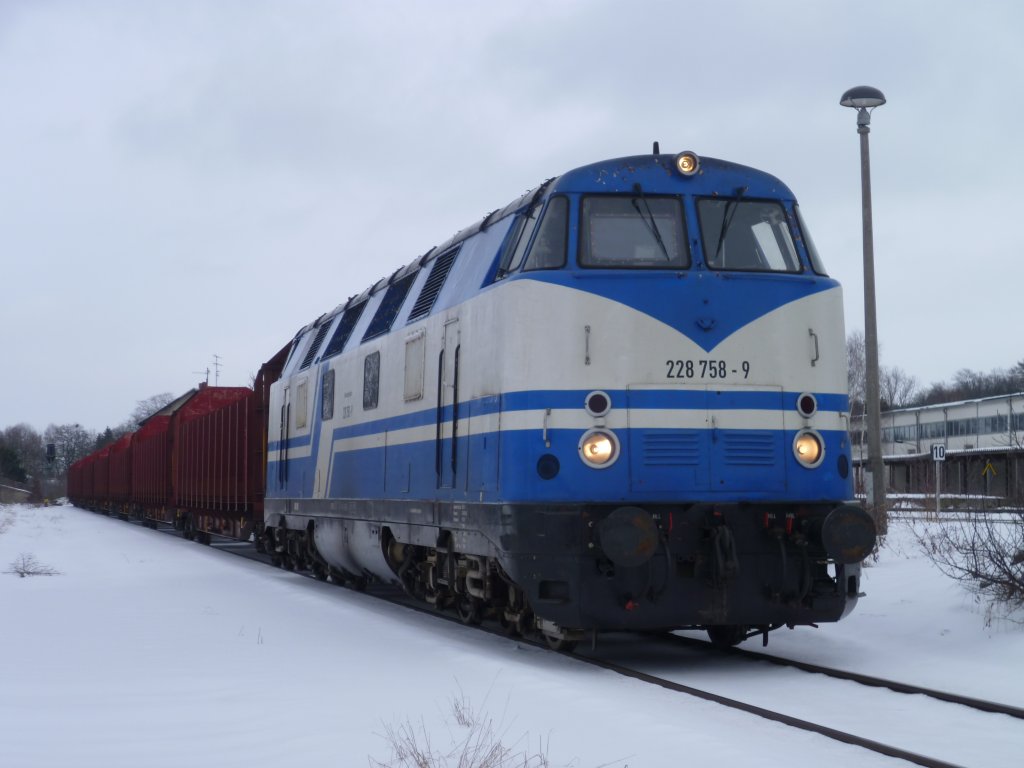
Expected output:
(747, 235)
(638, 232)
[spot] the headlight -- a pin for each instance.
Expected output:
(808, 448)
(687, 163)
(599, 448)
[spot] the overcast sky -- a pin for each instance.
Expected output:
(183, 179)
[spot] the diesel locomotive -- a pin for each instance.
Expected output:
(617, 403)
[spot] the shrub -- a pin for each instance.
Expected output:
(984, 551)
(477, 744)
(27, 565)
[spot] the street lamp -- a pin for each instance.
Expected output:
(864, 99)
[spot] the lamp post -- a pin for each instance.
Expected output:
(864, 99)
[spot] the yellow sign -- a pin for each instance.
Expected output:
(989, 468)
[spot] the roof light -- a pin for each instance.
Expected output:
(687, 163)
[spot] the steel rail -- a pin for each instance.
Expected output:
(855, 677)
(777, 717)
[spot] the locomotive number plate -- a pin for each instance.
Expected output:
(707, 369)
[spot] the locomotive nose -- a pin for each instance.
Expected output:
(848, 534)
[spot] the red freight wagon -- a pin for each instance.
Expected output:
(77, 482)
(151, 465)
(219, 457)
(88, 476)
(210, 460)
(120, 473)
(101, 478)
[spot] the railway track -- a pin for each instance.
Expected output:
(856, 677)
(891, 725)
(892, 718)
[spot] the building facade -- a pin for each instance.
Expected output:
(983, 441)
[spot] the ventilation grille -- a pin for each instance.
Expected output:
(348, 322)
(671, 448)
(435, 281)
(389, 306)
(315, 346)
(749, 449)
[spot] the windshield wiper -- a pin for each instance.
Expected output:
(730, 209)
(649, 222)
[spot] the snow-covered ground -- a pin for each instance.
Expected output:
(147, 650)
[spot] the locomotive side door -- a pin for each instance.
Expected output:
(282, 451)
(446, 450)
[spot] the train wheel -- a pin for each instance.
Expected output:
(319, 572)
(726, 635)
(524, 623)
(470, 610)
(560, 644)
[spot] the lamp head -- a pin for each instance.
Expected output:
(862, 97)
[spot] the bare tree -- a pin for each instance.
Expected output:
(143, 410)
(856, 370)
(898, 388)
(72, 441)
(27, 445)
(1017, 376)
(856, 381)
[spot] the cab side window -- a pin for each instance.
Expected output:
(548, 249)
(518, 240)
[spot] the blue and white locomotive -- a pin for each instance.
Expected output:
(618, 403)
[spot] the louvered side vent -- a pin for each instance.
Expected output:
(345, 327)
(434, 282)
(315, 346)
(389, 306)
(749, 449)
(671, 448)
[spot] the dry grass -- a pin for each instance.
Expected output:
(476, 741)
(27, 565)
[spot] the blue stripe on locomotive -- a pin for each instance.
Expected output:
(408, 471)
(705, 471)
